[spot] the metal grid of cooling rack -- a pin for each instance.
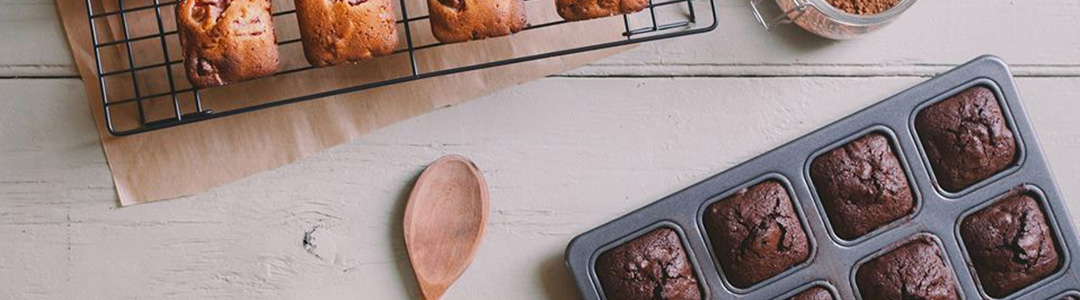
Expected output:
(654, 30)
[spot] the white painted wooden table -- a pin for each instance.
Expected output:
(561, 155)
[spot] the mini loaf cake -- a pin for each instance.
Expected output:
(455, 21)
(338, 31)
(966, 138)
(576, 10)
(1010, 244)
(651, 267)
(756, 234)
(814, 293)
(226, 41)
(862, 186)
(912, 271)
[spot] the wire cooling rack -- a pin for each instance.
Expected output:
(146, 89)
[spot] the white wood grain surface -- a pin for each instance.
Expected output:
(561, 155)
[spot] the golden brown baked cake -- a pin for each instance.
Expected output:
(462, 20)
(226, 41)
(337, 31)
(576, 10)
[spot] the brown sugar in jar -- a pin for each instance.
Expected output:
(834, 19)
(863, 7)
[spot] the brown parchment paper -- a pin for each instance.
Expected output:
(188, 159)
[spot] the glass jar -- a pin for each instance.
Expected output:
(821, 18)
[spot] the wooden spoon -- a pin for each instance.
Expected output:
(444, 222)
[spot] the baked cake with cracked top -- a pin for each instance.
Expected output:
(862, 186)
(455, 21)
(1010, 244)
(653, 266)
(915, 270)
(338, 31)
(226, 41)
(966, 138)
(576, 10)
(756, 234)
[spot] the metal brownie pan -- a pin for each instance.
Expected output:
(833, 261)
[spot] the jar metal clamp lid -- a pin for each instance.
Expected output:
(785, 17)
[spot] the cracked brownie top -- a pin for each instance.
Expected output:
(814, 293)
(1010, 244)
(966, 138)
(862, 186)
(756, 234)
(651, 267)
(912, 271)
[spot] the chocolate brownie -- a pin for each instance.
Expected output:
(226, 41)
(756, 234)
(814, 293)
(576, 10)
(651, 267)
(912, 271)
(966, 138)
(1010, 244)
(862, 186)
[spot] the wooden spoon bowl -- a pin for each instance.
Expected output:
(444, 222)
